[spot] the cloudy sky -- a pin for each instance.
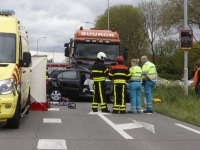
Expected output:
(57, 19)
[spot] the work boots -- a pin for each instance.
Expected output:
(115, 111)
(105, 110)
(95, 110)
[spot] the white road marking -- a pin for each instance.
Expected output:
(52, 144)
(99, 112)
(121, 127)
(52, 120)
(188, 128)
(129, 126)
(114, 126)
(147, 126)
(53, 109)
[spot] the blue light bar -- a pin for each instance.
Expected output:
(74, 62)
(107, 63)
(85, 63)
(7, 12)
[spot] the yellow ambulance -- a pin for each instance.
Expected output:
(15, 62)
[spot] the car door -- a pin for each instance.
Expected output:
(69, 83)
(83, 77)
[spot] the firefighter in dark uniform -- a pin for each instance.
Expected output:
(99, 73)
(120, 74)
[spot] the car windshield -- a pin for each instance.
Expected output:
(7, 48)
(90, 51)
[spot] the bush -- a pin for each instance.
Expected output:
(170, 76)
(176, 104)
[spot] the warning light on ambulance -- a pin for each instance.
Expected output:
(7, 12)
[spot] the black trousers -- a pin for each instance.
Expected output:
(197, 90)
(99, 96)
(119, 97)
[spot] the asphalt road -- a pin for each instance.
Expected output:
(81, 129)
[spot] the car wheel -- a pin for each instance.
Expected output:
(55, 95)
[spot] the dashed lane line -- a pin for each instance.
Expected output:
(52, 144)
(53, 109)
(52, 120)
(188, 128)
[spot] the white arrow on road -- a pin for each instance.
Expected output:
(137, 124)
(121, 127)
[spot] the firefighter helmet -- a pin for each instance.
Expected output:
(120, 58)
(101, 55)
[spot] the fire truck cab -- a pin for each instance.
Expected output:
(85, 46)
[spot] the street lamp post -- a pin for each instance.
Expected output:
(108, 15)
(53, 52)
(89, 22)
(37, 43)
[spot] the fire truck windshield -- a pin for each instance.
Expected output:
(90, 50)
(7, 47)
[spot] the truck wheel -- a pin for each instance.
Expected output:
(55, 95)
(14, 121)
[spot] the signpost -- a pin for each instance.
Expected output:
(185, 53)
(185, 39)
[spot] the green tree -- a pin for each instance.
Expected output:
(172, 14)
(154, 30)
(129, 23)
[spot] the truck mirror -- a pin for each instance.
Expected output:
(66, 45)
(26, 62)
(125, 54)
(67, 52)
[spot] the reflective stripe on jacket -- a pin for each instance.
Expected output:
(150, 69)
(196, 77)
(119, 73)
(136, 73)
(99, 71)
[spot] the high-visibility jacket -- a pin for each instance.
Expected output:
(47, 74)
(99, 71)
(150, 69)
(136, 73)
(119, 73)
(196, 78)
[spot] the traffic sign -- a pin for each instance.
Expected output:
(185, 39)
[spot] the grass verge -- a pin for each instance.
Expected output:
(177, 105)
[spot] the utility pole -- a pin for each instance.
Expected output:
(185, 53)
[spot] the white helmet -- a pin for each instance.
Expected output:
(101, 55)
